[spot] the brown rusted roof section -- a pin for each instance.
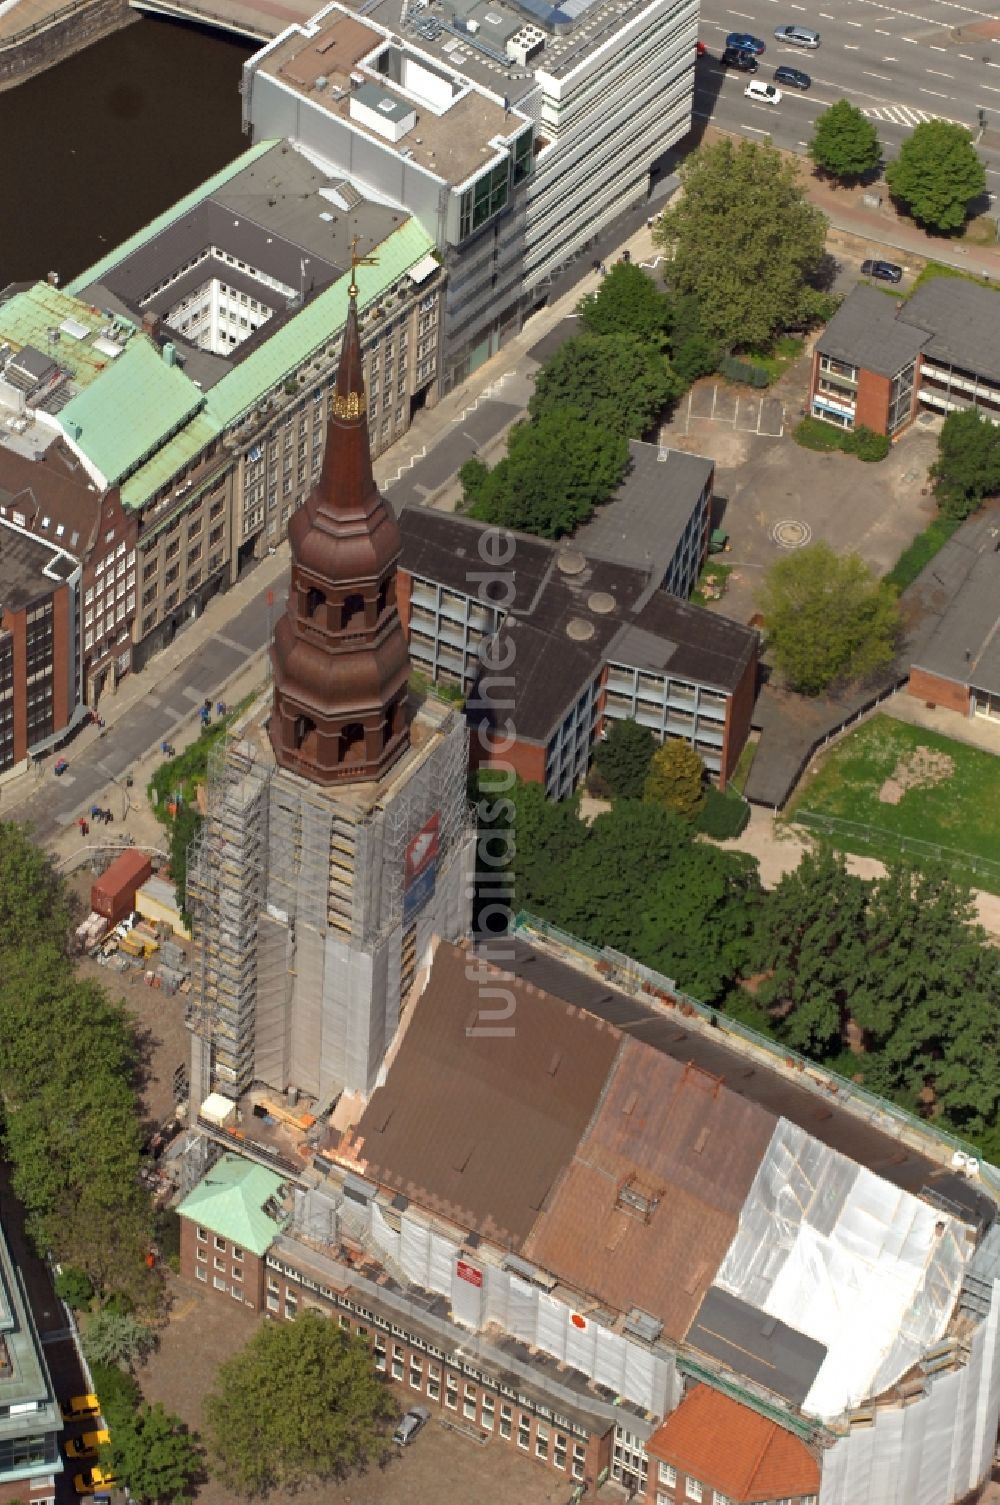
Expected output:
(479, 1116)
(650, 1204)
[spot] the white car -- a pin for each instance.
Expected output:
(767, 94)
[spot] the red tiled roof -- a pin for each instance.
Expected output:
(734, 1450)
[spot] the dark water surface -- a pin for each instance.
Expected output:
(99, 144)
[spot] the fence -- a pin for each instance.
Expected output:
(833, 825)
(632, 977)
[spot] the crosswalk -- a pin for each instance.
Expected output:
(903, 115)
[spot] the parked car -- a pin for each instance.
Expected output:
(744, 61)
(882, 271)
(765, 94)
(93, 1479)
(88, 1445)
(793, 77)
(799, 36)
(410, 1425)
(744, 41)
(79, 1406)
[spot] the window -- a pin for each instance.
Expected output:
(397, 1362)
(523, 1431)
(378, 1348)
(433, 1382)
(219, 1284)
(469, 1403)
(505, 1420)
(451, 1392)
(541, 1441)
(559, 1450)
(719, 1499)
(200, 1235)
(202, 1255)
(237, 1255)
(220, 1264)
(692, 1489)
(416, 1373)
(579, 1460)
(668, 1475)
(487, 1411)
(201, 1274)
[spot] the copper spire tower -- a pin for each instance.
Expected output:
(339, 654)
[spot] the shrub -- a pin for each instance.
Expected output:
(117, 1391)
(723, 816)
(74, 1287)
(862, 442)
(866, 444)
(813, 433)
(696, 356)
(741, 371)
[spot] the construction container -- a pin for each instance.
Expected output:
(113, 894)
(156, 900)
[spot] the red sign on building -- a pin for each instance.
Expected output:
(469, 1273)
(422, 850)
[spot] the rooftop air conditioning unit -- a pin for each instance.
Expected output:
(321, 82)
(525, 44)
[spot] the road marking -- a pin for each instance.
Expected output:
(937, 49)
(854, 23)
(938, 74)
(879, 32)
(882, 77)
(912, 41)
(850, 46)
(990, 88)
(933, 93)
(890, 60)
(757, 130)
(967, 56)
(741, 13)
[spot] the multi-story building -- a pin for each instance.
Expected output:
(955, 662)
(513, 131)
(30, 1422)
(337, 838)
(636, 1251)
(189, 373)
(880, 360)
(582, 640)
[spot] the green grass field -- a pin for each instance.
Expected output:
(959, 812)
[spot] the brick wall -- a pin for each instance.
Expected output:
(228, 1273)
(944, 692)
(739, 713)
(873, 402)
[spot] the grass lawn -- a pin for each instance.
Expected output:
(957, 809)
(711, 582)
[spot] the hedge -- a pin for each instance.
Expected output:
(723, 816)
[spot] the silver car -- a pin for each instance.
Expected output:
(800, 36)
(410, 1425)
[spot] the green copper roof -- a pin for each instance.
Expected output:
(27, 318)
(320, 321)
(127, 414)
(230, 1201)
(203, 191)
(171, 457)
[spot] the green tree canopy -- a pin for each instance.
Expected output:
(621, 382)
(622, 758)
(300, 1402)
(844, 142)
(967, 467)
(117, 1338)
(152, 1452)
(628, 301)
(555, 472)
(35, 908)
(676, 778)
(744, 240)
(937, 174)
(827, 618)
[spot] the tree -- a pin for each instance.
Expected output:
(556, 471)
(744, 240)
(697, 919)
(35, 908)
(623, 758)
(75, 1288)
(302, 1401)
(827, 618)
(627, 302)
(117, 1338)
(676, 778)
(152, 1453)
(118, 1393)
(967, 468)
(844, 143)
(810, 942)
(937, 175)
(620, 382)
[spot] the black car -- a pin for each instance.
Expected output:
(736, 57)
(793, 77)
(882, 271)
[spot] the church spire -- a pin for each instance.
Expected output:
(339, 654)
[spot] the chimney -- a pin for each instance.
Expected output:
(152, 324)
(52, 279)
(170, 354)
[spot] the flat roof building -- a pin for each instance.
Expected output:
(512, 129)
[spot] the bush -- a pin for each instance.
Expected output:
(921, 551)
(74, 1287)
(723, 816)
(696, 356)
(862, 442)
(117, 1392)
(865, 443)
(741, 371)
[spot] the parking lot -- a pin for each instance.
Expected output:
(440, 1467)
(747, 413)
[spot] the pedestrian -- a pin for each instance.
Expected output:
(108, 817)
(85, 828)
(220, 707)
(626, 256)
(602, 269)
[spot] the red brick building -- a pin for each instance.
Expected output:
(714, 1451)
(880, 359)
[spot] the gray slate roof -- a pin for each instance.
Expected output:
(868, 331)
(964, 323)
(645, 521)
(961, 585)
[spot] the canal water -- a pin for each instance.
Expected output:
(98, 145)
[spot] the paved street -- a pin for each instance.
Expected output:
(901, 64)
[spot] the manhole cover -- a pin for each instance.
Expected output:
(790, 534)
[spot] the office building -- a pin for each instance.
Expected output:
(514, 132)
(30, 1421)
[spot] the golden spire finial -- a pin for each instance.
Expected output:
(358, 261)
